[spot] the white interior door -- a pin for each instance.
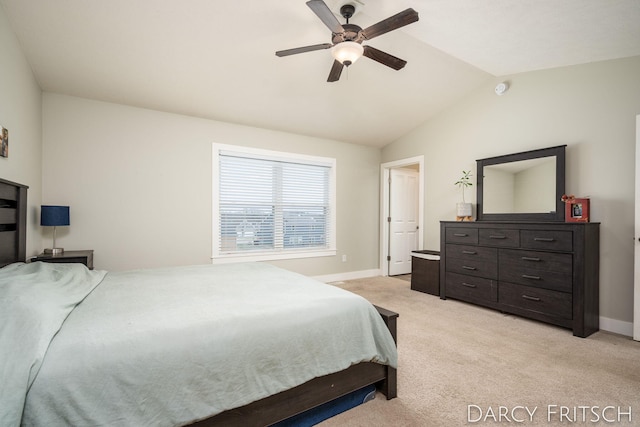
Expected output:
(636, 286)
(403, 223)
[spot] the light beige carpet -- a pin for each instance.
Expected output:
(461, 364)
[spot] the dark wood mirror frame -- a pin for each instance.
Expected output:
(557, 216)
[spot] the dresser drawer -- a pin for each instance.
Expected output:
(477, 253)
(538, 269)
(462, 235)
(8, 215)
(498, 237)
(553, 240)
(473, 266)
(553, 303)
(470, 288)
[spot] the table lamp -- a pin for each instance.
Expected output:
(54, 216)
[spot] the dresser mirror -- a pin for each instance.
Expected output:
(525, 186)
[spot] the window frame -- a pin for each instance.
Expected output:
(272, 254)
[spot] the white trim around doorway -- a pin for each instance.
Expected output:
(384, 205)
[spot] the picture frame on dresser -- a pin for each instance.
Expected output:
(577, 210)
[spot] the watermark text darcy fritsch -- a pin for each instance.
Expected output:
(582, 414)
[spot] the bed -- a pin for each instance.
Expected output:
(111, 352)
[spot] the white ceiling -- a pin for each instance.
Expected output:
(215, 59)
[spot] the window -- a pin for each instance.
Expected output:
(272, 205)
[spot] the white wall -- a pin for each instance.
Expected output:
(592, 109)
(138, 183)
(21, 114)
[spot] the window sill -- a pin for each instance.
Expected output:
(251, 257)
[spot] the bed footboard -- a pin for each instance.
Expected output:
(389, 386)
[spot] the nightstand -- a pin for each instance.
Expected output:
(83, 257)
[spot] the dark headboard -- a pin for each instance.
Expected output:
(13, 222)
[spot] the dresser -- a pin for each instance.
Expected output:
(547, 271)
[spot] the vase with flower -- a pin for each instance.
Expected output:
(464, 210)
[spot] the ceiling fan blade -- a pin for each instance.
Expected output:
(296, 50)
(398, 20)
(384, 58)
(321, 9)
(336, 70)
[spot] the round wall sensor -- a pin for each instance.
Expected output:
(501, 88)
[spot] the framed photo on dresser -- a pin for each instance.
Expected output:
(577, 210)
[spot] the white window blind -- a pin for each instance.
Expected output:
(273, 203)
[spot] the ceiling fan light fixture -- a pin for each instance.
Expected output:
(347, 52)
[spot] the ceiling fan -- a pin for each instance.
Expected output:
(346, 46)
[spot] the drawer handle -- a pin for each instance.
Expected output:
(466, 267)
(544, 239)
(530, 258)
(469, 285)
(497, 236)
(469, 252)
(530, 298)
(527, 276)
(460, 234)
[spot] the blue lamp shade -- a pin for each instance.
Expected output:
(54, 215)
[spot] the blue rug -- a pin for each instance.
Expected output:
(330, 409)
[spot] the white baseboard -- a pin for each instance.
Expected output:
(616, 326)
(351, 275)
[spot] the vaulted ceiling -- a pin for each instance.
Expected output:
(216, 59)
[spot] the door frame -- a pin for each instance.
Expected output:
(636, 245)
(384, 205)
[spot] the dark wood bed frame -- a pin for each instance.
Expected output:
(270, 410)
(13, 222)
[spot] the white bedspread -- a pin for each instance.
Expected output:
(170, 346)
(35, 299)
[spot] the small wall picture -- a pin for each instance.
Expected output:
(4, 142)
(577, 210)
